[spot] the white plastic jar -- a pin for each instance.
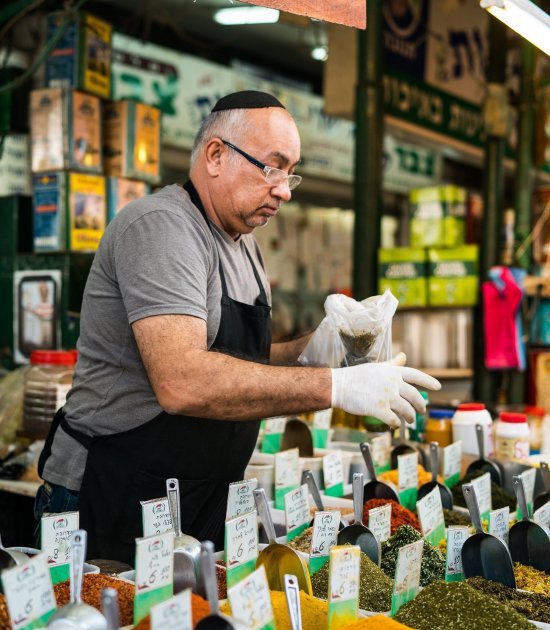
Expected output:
(512, 436)
(465, 419)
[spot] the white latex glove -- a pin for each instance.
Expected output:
(382, 390)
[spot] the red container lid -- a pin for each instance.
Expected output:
(52, 357)
(515, 418)
(534, 411)
(471, 407)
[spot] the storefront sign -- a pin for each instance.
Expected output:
(348, 12)
(407, 166)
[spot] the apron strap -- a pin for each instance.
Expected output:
(262, 298)
(81, 438)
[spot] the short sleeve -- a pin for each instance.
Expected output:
(162, 265)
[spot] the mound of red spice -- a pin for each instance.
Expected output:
(399, 514)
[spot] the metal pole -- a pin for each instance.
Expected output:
(369, 137)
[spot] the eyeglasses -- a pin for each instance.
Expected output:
(273, 176)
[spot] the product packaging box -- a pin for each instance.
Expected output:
(121, 191)
(452, 278)
(402, 270)
(70, 211)
(82, 58)
(132, 141)
(65, 131)
(15, 166)
(438, 216)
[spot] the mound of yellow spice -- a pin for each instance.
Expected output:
(378, 622)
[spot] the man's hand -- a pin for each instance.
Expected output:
(382, 390)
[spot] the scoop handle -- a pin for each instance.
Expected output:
(292, 594)
(208, 567)
(434, 459)
(367, 457)
(174, 505)
(473, 506)
(109, 607)
(480, 441)
(519, 489)
(265, 514)
(78, 553)
(545, 472)
(313, 489)
(358, 494)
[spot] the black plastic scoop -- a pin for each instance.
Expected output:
(529, 543)
(403, 447)
(482, 554)
(426, 488)
(375, 489)
(358, 534)
(309, 479)
(543, 497)
(483, 464)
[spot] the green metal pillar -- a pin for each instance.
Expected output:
(493, 200)
(369, 137)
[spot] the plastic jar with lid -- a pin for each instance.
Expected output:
(465, 419)
(535, 417)
(512, 436)
(45, 388)
(439, 428)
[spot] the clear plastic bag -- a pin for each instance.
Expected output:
(352, 332)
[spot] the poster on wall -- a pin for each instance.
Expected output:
(36, 313)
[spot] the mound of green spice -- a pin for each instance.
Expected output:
(303, 541)
(453, 518)
(433, 561)
(457, 605)
(499, 496)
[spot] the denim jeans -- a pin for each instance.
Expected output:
(53, 499)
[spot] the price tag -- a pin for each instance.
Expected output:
(250, 601)
(407, 575)
(287, 475)
(381, 452)
(321, 427)
(529, 477)
(154, 573)
(55, 541)
(156, 517)
(452, 459)
(173, 614)
(499, 523)
(343, 585)
(296, 511)
(333, 474)
(29, 593)
(241, 546)
(380, 522)
(432, 520)
(542, 515)
(324, 537)
(273, 433)
(456, 537)
(240, 499)
(482, 487)
(407, 475)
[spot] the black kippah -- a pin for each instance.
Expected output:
(247, 99)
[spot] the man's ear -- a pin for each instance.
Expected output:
(213, 156)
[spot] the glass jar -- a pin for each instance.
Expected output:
(439, 427)
(45, 388)
(535, 417)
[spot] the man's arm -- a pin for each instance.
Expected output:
(287, 352)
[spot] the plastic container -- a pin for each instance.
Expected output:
(464, 423)
(512, 436)
(46, 384)
(418, 427)
(439, 427)
(535, 416)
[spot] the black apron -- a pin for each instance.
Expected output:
(204, 454)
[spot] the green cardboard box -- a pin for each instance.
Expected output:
(403, 271)
(453, 276)
(438, 216)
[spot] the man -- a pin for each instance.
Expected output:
(176, 365)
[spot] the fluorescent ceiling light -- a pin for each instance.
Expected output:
(319, 53)
(233, 16)
(524, 17)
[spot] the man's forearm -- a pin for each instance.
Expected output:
(287, 352)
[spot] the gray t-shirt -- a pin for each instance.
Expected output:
(157, 257)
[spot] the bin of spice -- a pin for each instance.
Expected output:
(500, 497)
(399, 515)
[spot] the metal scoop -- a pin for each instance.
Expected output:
(18, 557)
(297, 434)
(187, 571)
(529, 543)
(375, 489)
(483, 464)
(109, 607)
(543, 497)
(292, 594)
(77, 614)
(482, 554)
(358, 534)
(276, 558)
(403, 447)
(426, 488)
(314, 491)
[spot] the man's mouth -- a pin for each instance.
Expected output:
(269, 211)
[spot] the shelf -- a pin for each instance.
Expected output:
(449, 373)
(428, 308)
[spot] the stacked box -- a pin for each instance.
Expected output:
(132, 141)
(452, 276)
(121, 192)
(402, 270)
(82, 58)
(438, 216)
(65, 131)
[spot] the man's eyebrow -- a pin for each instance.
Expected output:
(284, 159)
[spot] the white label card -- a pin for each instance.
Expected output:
(287, 468)
(542, 515)
(297, 507)
(499, 524)
(456, 537)
(407, 573)
(482, 487)
(333, 471)
(380, 522)
(156, 517)
(325, 533)
(529, 477)
(381, 450)
(430, 513)
(241, 539)
(276, 425)
(154, 562)
(322, 419)
(173, 614)
(55, 536)
(452, 460)
(407, 471)
(345, 562)
(250, 601)
(240, 499)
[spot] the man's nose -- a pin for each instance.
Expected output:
(282, 191)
